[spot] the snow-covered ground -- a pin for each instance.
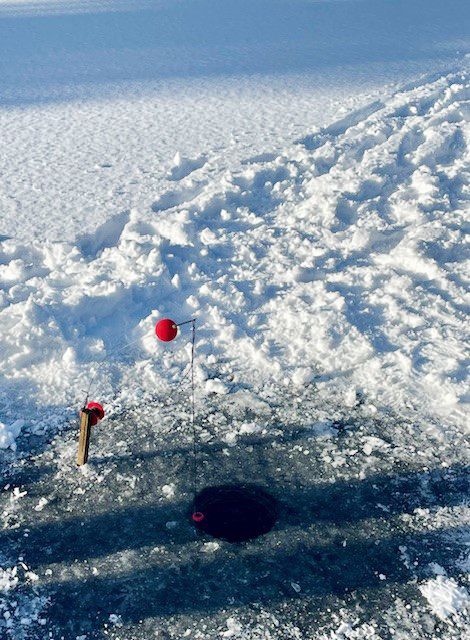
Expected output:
(99, 96)
(295, 176)
(339, 261)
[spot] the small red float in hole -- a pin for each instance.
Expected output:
(166, 330)
(97, 412)
(198, 516)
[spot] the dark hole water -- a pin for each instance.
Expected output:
(235, 513)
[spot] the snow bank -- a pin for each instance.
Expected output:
(339, 262)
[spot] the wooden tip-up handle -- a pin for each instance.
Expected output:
(84, 438)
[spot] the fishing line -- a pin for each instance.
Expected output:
(169, 331)
(193, 407)
(100, 361)
(107, 356)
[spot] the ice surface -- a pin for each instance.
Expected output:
(357, 539)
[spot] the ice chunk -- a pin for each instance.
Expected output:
(445, 597)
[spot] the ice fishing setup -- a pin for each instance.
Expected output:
(92, 412)
(234, 512)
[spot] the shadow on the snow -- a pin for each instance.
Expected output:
(331, 505)
(204, 583)
(53, 55)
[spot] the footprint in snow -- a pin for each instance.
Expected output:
(174, 198)
(183, 166)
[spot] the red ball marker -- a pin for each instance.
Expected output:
(166, 330)
(97, 412)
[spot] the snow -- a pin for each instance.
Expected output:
(198, 78)
(8, 579)
(41, 504)
(215, 385)
(115, 620)
(353, 632)
(20, 611)
(182, 166)
(340, 261)
(445, 597)
(294, 176)
(168, 490)
(9, 433)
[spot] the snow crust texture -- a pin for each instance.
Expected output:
(445, 597)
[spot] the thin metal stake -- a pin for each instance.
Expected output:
(193, 410)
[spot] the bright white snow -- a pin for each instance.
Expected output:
(445, 597)
(9, 433)
(341, 260)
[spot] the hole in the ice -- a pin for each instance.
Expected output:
(234, 513)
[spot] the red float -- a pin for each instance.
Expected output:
(166, 330)
(198, 516)
(97, 412)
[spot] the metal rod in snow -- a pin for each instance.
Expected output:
(180, 324)
(193, 410)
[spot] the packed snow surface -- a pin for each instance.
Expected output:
(97, 97)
